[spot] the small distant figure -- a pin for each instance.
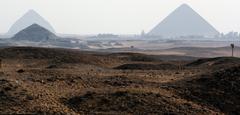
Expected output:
(232, 46)
(132, 47)
(143, 33)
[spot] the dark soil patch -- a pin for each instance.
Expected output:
(52, 66)
(121, 81)
(216, 63)
(147, 67)
(220, 90)
(137, 57)
(20, 71)
(55, 56)
(12, 96)
(127, 102)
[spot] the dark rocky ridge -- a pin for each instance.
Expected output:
(218, 90)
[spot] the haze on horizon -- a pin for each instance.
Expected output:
(117, 16)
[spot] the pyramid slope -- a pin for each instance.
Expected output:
(35, 33)
(30, 18)
(184, 21)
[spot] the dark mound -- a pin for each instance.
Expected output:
(54, 55)
(215, 62)
(220, 90)
(121, 81)
(150, 58)
(147, 67)
(126, 102)
(135, 57)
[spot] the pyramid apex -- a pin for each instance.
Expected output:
(184, 6)
(35, 24)
(31, 11)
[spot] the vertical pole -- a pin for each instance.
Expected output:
(0, 63)
(232, 46)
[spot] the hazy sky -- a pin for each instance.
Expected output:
(117, 16)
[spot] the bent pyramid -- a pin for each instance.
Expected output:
(184, 21)
(31, 17)
(34, 33)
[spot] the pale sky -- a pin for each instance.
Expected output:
(117, 16)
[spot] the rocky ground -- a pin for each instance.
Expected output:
(61, 81)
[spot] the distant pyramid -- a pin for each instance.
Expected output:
(31, 17)
(35, 33)
(184, 21)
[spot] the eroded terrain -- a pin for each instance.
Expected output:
(50, 81)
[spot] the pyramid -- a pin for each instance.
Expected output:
(184, 21)
(30, 18)
(34, 33)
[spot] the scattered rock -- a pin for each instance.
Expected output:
(20, 71)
